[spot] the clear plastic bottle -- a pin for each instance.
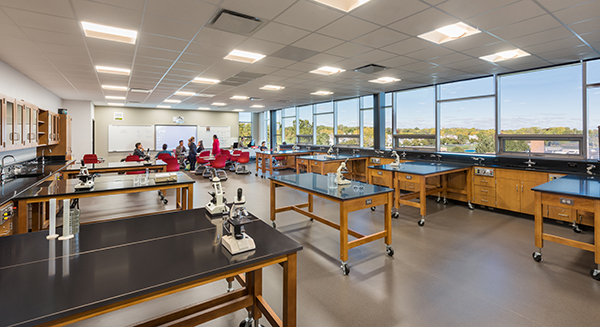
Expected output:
(147, 177)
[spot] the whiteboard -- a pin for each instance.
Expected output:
(222, 132)
(124, 137)
(171, 134)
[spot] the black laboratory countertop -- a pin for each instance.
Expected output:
(284, 152)
(113, 261)
(324, 157)
(116, 165)
(422, 168)
(318, 183)
(575, 185)
(38, 173)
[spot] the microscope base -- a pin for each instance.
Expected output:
(238, 246)
(213, 209)
(84, 186)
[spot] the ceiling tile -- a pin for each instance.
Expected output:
(60, 8)
(579, 13)
(317, 42)
(407, 46)
(137, 5)
(542, 37)
(152, 62)
(99, 13)
(56, 48)
(471, 42)
(274, 62)
(41, 21)
(489, 49)
(163, 42)
(397, 61)
(464, 9)
(348, 28)
(323, 59)
(13, 31)
(38, 35)
(506, 15)
(218, 38)
(374, 56)
(157, 53)
(195, 12)
(259, 46)
(423, 22)
(169, 27)
(308, 15)
(449, 58)
(381, 37)
(433, 52)
(384, 12)
(593, 37)
(349, 49)
(554, 5)
(267, 9)
(207, 50)
(553, 45)
(526, 27)
(280, 33)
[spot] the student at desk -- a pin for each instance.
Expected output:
(180, 152)
(164, 150)
(263, 146)
(139, 151)
(216, 148)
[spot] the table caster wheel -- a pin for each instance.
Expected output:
(345, 269)
(274, 225)
(372, 208)
(438, 200)
(576, 229)
(395, 215)
(421, 222)
(537, 256)
(595, 273)
(471, 207)
(445, 201)
(246, 322)
(389, 251)
(165, 201)
(256, 174)
(312, 219)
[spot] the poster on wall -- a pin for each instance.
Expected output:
(118, 116)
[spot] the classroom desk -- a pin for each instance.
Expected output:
(105, 185)
(349, 201)
(267, 158)
(411, 176)
(115, 264)
(572, 192)
(322, 164)
(72, 171)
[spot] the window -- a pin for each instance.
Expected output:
(324, 123)
(278, 125)
(415, 118)
(593, 72)
(389, 125)
(245, 126)
(367, 129)
(467, 89)
(267, 128)
(305, 125)
(289, 125)
(347, 125)
(593, 108)
(542, 102)
(468, 126)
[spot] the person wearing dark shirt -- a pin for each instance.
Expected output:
(200, 146)
(139, 151)
(192, 153)
(164, 150)
(263, 146)
(180, 152)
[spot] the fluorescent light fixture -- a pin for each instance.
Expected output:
(384, 80)
(257, 106)
(203, 108)
(114, 104)
(343, 5)
(114, 87)
(219, 104)
(205, 80)
(244, 56)
(185, 94)
(505, 55)
(113, 97)
(172, 101)
(449, 33)
(109, 33)
(162, 106)
(238, 109)
(113, 70)
(204, 95)
(138, 90)
(322, 93)
(239, 97)
(272, 87)
(327, 71)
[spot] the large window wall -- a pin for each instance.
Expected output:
(245, 127)
(550, 112)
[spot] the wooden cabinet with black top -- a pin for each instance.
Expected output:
(513, 189)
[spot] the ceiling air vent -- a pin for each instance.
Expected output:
(241, 78)
(370, 69)
(234, 22)
(133, 102)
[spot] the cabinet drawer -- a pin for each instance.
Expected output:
(484, 199)
(560, 213)
(408, 177)
(585, 218)
(378, 180)
(484, 181)
(301, 161)
(381, 173)
(484, 190)
(410, 186)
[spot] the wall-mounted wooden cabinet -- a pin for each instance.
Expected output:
(61, 146)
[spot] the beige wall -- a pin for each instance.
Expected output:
(104, 116)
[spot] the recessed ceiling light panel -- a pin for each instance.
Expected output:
(505, 55)
(109, 33)
(239, 97)
(185, 94)
(327, 70)
(449, 33)
(114, 104)
(203, 108)
(138, 90)
(272, 87)
(238, 110)
(204, 95)
(244, 56)
(343, 5)
(205, 80)
(113, 97)
(172, 101)
(113, 70)
(257, 106)
(219, 104)
(322, 93)
(163, 106)
(384, 80)
(114, 87)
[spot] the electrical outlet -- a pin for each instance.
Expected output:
(566, 201)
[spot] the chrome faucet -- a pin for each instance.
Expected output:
(437, 156)
(3, 165)
(43, 157)
(529, 162)
(589, 169)
(480, 160)
(337, 151)
(403, 154)
(355, 151)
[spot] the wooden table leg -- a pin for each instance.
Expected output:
(310, 203)
(258, 155)
(21, 221)
(178, 195)
(539, 220)
(444, 185)
(257, 291)
(289, 290)
(469, 185)
(388, 218)
(423, 197)
(190, 195)
(596, 232)
(273, 201)
(271, 164)
(343, 232)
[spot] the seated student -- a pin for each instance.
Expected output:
(263, 146)
(164, 150)
(200, 147)
(180, 152)
(139, 151)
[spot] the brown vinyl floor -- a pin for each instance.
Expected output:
(463, 268)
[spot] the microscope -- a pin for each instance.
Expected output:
(238, 241)
(330, 152)
(396, 162)
(340, 179)
(86, 180)
(218, 203)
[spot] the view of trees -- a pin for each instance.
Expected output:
(245, 130)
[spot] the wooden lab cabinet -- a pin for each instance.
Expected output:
(513, 189)
(62, 146)
(381, 178)
(484, 190)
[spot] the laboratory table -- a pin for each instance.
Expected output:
(266, 160)
(105, 185)
(324, 164)
(115, 264)
(574, 192)
(411, 176)
(350, 197)
(72, 171)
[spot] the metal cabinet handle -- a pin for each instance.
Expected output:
(563, 215)
(483, 180)
(379, 173)
(521, 187)
(517, 188)
(482, 200)
(484, 190)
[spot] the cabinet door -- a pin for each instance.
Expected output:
(10, 123)
(508, 194)
(527, 197)
(19, 124)
(26, 125)
(50, 128)
(34, 127)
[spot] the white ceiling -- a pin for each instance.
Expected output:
(44, 40)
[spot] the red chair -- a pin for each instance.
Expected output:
(280, 160)
(218, 164)
(201, 163)
(132, 158)
(172, 164)
(90, 159)
(241, 167)
(161, 156)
